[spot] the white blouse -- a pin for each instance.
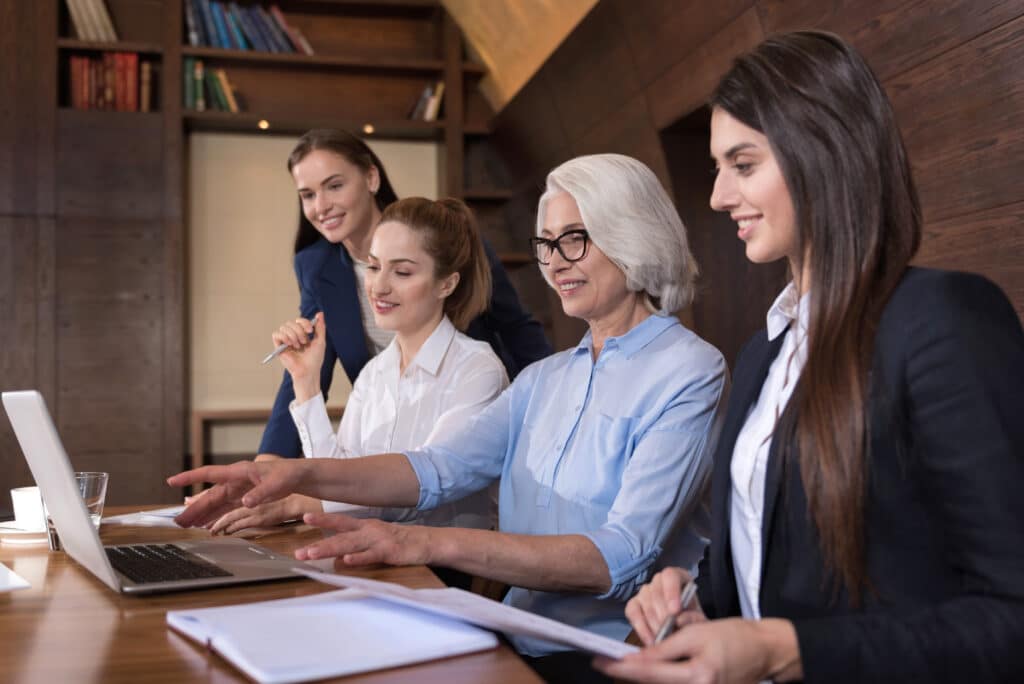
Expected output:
(449, 381)
(750, 454)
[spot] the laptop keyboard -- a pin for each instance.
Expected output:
(145, 563)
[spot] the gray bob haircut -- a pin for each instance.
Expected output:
(630, 218)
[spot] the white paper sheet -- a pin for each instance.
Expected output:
(158, 517)
(481, 611)
(326, 635)
(10, 580)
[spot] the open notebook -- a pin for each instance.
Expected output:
(326, 635)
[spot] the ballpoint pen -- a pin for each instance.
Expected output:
(281, 348)
(684, 600)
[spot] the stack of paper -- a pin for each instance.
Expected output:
(326, 635)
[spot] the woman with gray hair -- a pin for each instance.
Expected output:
(602, 450)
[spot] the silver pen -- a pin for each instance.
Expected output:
(284, 346)
(667, 627)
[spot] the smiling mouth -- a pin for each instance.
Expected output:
(746, 226)
(331, 221)
(570, 286)
(383, 307)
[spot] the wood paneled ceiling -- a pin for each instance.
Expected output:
(513, 38)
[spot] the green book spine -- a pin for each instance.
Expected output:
(188, 73)
(213, 85)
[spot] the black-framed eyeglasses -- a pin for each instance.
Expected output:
(572, 245)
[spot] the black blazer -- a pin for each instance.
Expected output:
(327, 283)
(944, 512)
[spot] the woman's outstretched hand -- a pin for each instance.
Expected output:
(245, 483)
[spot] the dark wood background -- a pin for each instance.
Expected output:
(633, 76)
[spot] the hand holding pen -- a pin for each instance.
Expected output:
(301, 345)
(668, 626)
(662, 604)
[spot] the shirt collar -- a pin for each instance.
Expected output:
(432, 353)
(788, 307)
(634, 339)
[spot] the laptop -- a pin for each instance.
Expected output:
(130, 568)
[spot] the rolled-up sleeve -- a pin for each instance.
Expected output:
(466, 460)
(665, 479)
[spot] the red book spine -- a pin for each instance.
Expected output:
(133, 82)
(74, 85)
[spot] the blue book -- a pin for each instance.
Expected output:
(223, 39)
(244, 22)
(276, 34)
(236, 30)
(257, 23)
(208, 28)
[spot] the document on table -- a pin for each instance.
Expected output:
(481, 611)
(326, 635)
(10, 580)
(157, 517)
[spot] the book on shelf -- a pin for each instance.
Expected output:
(227, 90)
(231, 26)
(433, 108)
(113, 81)
(204, 15)
(198, 77)
(91, 20)
(294, 35)
(420, 106)
(193, 25)
(146, 88)
(219, 23)
(208, 89)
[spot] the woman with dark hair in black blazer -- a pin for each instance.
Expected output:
(343, 188)
(867, 523)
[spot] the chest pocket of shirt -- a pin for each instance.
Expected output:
(593, 473)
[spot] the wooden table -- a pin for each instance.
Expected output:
(69, 627)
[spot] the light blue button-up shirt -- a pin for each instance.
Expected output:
(617, 449)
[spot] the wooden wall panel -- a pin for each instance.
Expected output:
(109, 351)
(894, 35)
(688, 84)
(530, 133)
(962, 116)
(989, 242)
(93, 182)
(661, 33)
(28, 87)
(18, 354)
(628, 131)
(588, 84)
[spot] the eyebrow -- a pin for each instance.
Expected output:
(322, 183)
(565, 229)
(737, 148)
(400, 260)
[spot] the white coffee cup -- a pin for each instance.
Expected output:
(28, 509)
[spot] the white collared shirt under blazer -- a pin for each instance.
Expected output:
(449, 381)
(750, 456)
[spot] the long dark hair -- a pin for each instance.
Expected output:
(833, 132)
(356, 152)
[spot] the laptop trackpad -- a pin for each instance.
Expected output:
(231, 551)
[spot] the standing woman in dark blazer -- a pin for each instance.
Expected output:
(868, 519)
(343, 189)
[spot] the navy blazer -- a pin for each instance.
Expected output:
(944, 511)
(327, 283)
